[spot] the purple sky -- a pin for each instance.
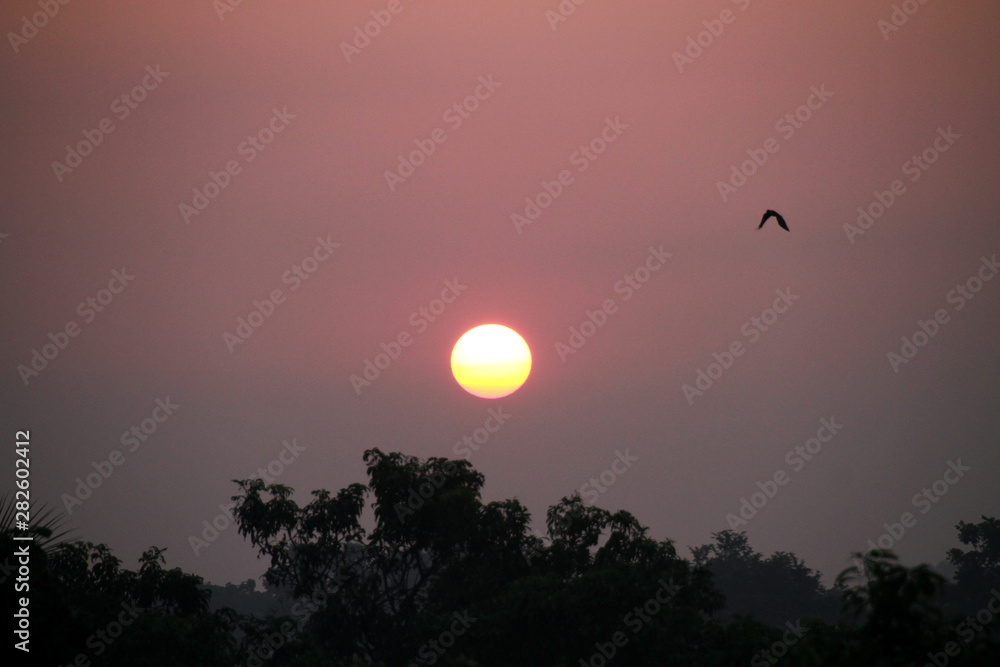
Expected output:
(681, 127)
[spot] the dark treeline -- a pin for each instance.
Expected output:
(445, 579)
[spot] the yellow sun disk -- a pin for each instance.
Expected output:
(496, 379)
(491, 361)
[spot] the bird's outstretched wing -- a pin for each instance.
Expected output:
(781, 222)
(767, 214)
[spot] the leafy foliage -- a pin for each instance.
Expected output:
(775, 589)
(440, 577)
(978, 569)
(900, 621)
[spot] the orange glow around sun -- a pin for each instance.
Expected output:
(491, 361)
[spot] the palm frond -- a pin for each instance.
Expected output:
(46, 524)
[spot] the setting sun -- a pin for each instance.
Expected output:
(491, 361)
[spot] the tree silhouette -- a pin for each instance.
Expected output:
(436, 576)
(436, 549)
(85, 604)
(978, 569)
(381, 596)
(774, 589)
(897, 607)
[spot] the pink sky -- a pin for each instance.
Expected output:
(679, 133)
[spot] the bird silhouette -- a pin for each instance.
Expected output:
(781, 221)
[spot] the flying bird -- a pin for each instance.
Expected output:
(781, 221)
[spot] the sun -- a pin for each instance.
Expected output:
(491, 361)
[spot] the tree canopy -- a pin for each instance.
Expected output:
(435, 576)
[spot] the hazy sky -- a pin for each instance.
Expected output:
(280, 127)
